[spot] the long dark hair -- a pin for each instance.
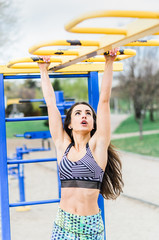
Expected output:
(112, 180)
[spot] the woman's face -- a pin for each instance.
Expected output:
(82, 118)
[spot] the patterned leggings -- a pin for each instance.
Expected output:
(69, 226)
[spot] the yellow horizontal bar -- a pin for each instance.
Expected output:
(102, 59)
(35, 49)
(125, 14)
(76, 68)
(91, 67)
(28, 66)
(99, 30)
(143, 43)
(56, 52)
(13, 101)
(31, 59)
(121, 55)
(23, 62)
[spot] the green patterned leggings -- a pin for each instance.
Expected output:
(74, 227)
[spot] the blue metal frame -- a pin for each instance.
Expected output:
(93, 95)
(4, 193)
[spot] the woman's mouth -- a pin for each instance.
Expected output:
(84, 122)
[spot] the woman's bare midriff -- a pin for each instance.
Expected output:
(80, 201)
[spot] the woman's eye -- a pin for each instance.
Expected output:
(77, 113)
(88, 113)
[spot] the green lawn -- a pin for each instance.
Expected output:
(130, 125)
(21, 127)
(148, 146)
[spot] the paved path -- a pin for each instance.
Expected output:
(125, 135)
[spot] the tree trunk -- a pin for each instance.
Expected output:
(141, 127)
(151, 115)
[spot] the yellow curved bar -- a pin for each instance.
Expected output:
(71, 27)
(56, 52)
(35, 49)
(121, 55)
(31, 59)
(100, 30)
(102, 59)
(143, 43)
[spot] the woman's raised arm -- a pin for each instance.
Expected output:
(55, 121)
(103, 132)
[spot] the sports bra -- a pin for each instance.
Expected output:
(84, 173)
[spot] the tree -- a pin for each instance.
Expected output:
(56, 85)
(141, 82)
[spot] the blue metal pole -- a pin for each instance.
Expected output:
(93, 97)
(16, 161)
(21, 182)
(21, 176)
(58, 180)
(29, 119)
(34, 203)
(4, 194)
(27, 76)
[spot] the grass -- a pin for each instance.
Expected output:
(148, 146)
(13, 128)
(130, 125)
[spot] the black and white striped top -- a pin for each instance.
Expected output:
(84, 173)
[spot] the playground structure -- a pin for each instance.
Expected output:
(18, 170)
(70, 66)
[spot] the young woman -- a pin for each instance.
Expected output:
(88, 164)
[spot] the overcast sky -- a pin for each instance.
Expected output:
(42, 20)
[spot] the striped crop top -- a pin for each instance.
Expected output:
(84, 173)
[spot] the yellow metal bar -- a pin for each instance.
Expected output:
(99, 30)
(35, 49)
(76, 68)
(71, 27)
(102, 59)
(56, 52)
(23, 62)
(31, 59)
(121, 55)
(13, 101)
(135, 30)
(143, 43)
(28, 66)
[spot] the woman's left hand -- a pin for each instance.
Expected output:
(112, 55)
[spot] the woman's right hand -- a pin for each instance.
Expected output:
(45, 64)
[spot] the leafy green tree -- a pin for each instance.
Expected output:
(140, 82)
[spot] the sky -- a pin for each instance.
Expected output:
(43, 20)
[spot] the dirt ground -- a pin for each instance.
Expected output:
(125, 218)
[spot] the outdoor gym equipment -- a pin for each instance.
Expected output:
(19, 168)
(44, 135)
(93, 96)
(147, 23)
